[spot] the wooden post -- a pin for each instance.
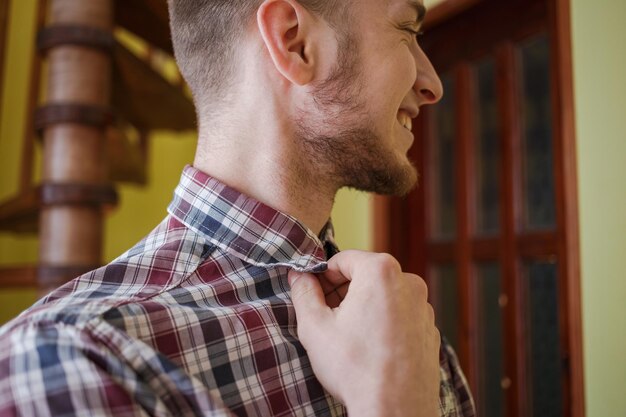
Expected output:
(78, 43)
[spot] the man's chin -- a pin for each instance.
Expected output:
(398, 182)
(403, 185)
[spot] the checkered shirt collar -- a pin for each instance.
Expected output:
(247, 228)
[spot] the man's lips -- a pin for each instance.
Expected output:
(412, 111)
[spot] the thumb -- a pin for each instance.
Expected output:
(307, 297)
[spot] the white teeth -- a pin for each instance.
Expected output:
(405, 121)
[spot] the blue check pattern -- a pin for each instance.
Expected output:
(194, 320)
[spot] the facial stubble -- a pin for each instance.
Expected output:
(340, 144)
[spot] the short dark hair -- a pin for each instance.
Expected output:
(204, 34)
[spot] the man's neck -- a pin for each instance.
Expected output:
(252, 148)
(269, 170)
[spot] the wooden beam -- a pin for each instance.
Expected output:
(28, 144)
(514, 317)
(21, 213)
(145, 99)
(146, 18)
(18, 277)
(465, 213)
(566, 181)
(71, 235)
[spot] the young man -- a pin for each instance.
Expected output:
(295, 99)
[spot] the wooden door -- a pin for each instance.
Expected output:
(492, 225)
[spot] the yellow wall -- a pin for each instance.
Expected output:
(599, 34)
(141, 208)
(352, 220)
(20, 42)
(20, 39)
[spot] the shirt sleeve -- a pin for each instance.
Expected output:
(58, 370)
(454, 384)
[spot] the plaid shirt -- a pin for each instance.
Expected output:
(195, 320)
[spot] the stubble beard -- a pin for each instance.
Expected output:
(340, 145)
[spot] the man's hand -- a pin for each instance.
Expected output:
(377, 350)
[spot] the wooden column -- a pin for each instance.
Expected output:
(78, 43)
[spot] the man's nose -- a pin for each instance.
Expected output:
(427, 83)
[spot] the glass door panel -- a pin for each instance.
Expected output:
(538, 167)
(443, 203)
(487, 148)
(542, 338)
(491, 377)
(444, 289)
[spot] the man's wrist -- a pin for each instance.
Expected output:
(386, 407)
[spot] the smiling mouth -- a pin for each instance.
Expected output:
(405, 120)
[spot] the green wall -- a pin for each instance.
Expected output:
(599, 37)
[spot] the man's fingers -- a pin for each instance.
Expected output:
(331, 279)
(307, 297)
(335, 287)
(344, 264)
(334, 296)
(355, 264)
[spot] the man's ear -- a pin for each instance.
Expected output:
(284, 27)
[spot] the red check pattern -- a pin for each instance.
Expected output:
(195, 320)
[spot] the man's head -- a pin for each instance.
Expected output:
(347, 76)
(205, 35)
